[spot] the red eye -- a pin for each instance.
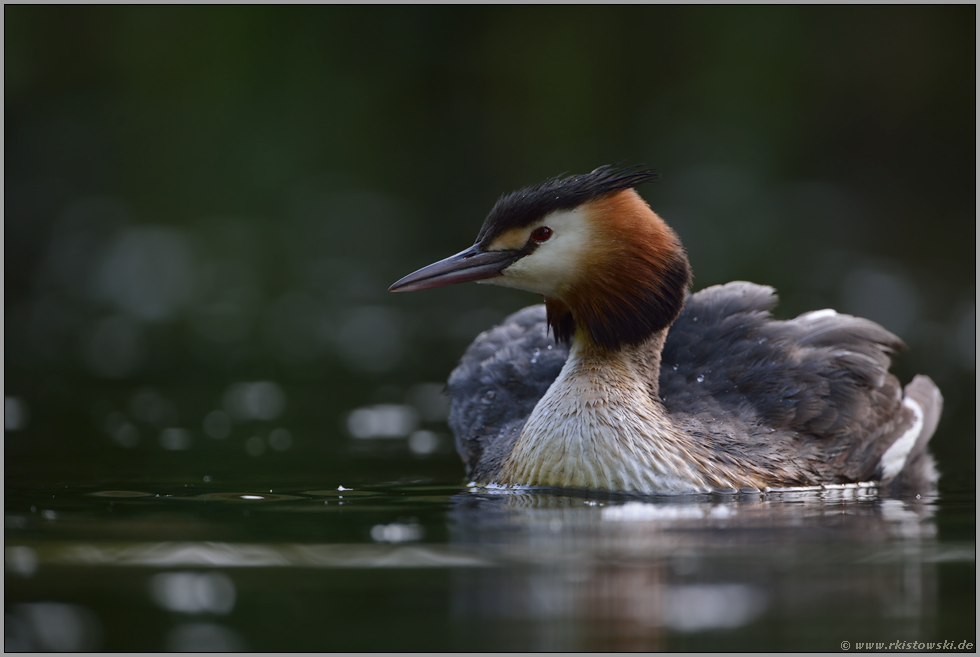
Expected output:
(542, 234)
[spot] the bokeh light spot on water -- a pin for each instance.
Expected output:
(78, 238)
(280, 439)
(695, 608)
(122, 430)
(20, 560)
(397, 532)
(255, 446)
(217, 424)
(175, 439)
(14, 522)
(204, 637)
(382, 421)
(51, 627)
(423, 442)
(261, 400)
(15, 413)
(194, 593)
(148, 272)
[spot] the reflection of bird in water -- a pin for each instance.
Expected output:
(728, 398)
(610, 571)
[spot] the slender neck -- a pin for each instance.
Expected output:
(644, 358)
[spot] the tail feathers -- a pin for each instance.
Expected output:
(909, 468)
(930, 400)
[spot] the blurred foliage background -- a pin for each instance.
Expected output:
(204, 206)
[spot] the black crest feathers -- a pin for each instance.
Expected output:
(526, 205)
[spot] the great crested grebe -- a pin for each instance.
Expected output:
(647, 388)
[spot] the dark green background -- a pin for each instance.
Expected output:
(295, 161)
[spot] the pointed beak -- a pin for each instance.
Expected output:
(473, 264)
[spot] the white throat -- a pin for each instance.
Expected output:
(597, 427)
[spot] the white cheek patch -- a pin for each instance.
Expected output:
(555, 262)
(893, 460)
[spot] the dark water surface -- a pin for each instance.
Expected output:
(328, 563)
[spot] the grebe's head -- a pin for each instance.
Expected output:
(605, 263)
